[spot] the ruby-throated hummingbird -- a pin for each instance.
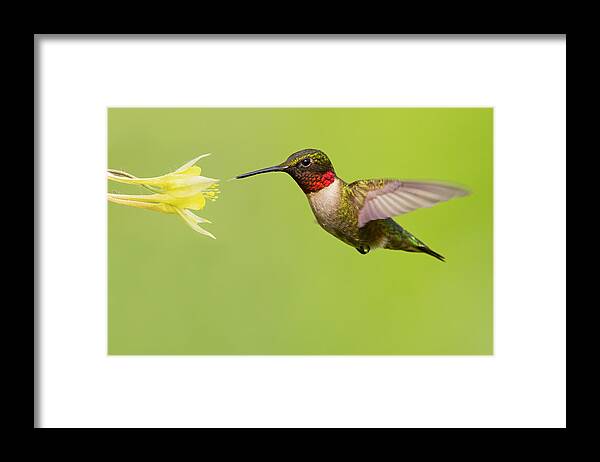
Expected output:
(359, 213)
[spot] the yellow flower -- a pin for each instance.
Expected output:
(178, 192)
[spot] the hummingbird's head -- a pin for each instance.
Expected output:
(311, 169)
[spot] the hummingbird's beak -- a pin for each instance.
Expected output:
(276, 168)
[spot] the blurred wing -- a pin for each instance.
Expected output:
(379, 199)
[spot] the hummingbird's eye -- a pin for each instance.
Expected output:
(305, 162)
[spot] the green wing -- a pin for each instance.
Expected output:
(383, 198)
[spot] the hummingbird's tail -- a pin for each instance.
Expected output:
(428, 251)
(397, 238)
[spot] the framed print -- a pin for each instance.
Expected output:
(300, 231)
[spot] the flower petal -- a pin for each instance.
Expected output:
(179, 181)
(124, 177)
(157, 207)
(191, 177)
(182, 170)
(119, 177)
(197, 202)
(193, 220)
(195, 217)
(145, 197)
(181, 198)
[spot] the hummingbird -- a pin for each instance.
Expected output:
(360, 213)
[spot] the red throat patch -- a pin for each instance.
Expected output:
(321, 182)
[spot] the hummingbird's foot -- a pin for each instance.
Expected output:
(364, 249)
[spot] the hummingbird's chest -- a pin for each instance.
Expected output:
(331, 210)
(325, 202)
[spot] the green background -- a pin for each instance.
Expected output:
(273, 282)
